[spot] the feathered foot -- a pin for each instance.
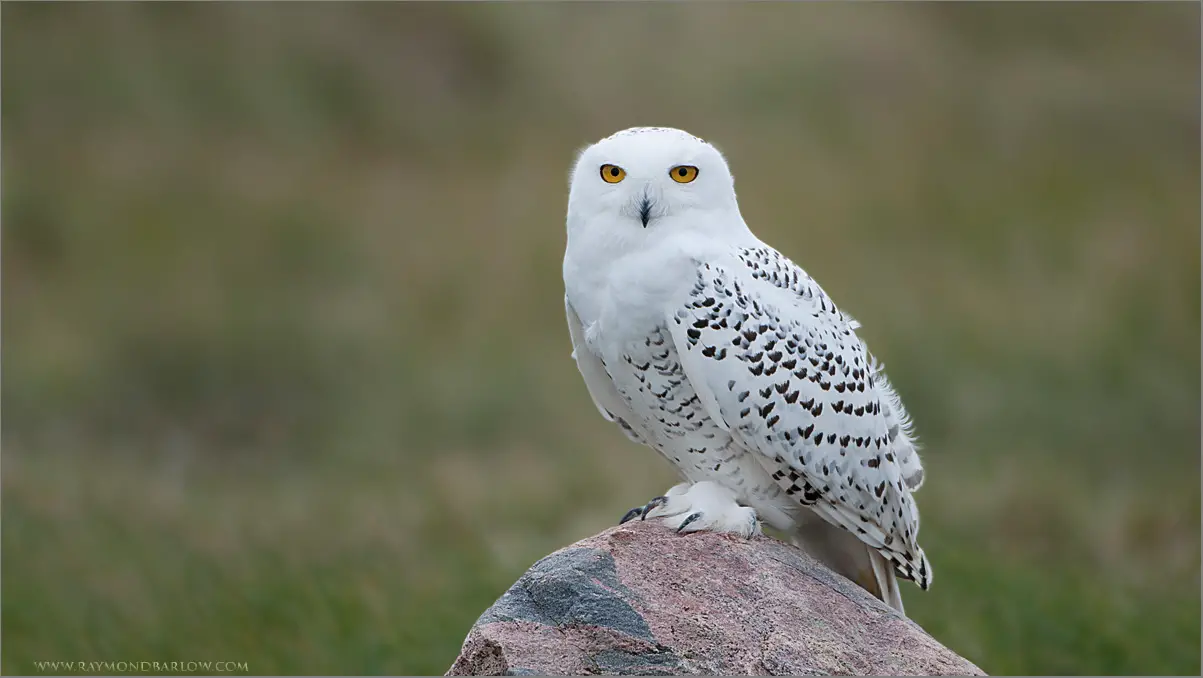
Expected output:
(704, 506)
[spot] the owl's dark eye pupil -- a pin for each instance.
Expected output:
(613, 171)
(682, 171)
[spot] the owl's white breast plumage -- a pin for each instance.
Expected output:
(713, 348)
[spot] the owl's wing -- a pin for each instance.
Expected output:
(776, 362)
(597, 380)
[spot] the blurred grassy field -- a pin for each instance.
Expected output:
(286, 374)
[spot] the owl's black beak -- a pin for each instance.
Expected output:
(645, 210)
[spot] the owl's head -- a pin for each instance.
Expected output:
(647, 178)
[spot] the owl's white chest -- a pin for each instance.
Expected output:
(648, 376)
(624, 316)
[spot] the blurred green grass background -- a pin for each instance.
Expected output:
(286, 374)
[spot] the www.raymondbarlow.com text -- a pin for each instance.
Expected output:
(141, 667)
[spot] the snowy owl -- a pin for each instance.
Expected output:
(714, 349)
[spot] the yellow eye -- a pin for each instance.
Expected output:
(612, 174)
(683, 174)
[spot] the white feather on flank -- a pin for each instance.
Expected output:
(906, 443)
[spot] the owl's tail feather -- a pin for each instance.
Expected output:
(843, 553)
(886, 580)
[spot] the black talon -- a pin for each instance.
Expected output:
(630, 515)
(656, 501)
(692, 517)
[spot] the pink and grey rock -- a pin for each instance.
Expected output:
(639, 599)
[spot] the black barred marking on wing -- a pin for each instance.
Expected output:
(832, 368)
